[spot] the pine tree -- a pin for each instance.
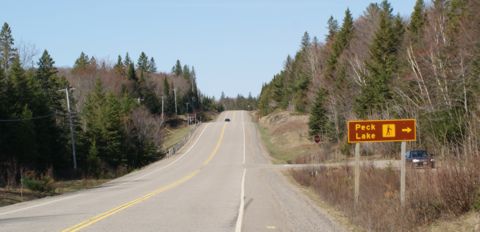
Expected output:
(19, 83)
(7, 50)
(142, 63)
(82, 63)
(152, 67)
(131, 75)
(104, 130)
(382, 65)
(47, 76)
(119, 66)
(195, 94)
(305, 41)
(277, 89)
(332, 28)
(177, 69)
(51, 134)
(92, 63)
(127, 60)
(169, 100)
(319, 123)
(340, 43)
(417, 22)
(186, 72)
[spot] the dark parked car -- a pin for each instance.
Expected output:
(227, 120)
(419, 158)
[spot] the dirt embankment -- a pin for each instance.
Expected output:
(286, 137)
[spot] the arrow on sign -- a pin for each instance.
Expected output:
(408, 130)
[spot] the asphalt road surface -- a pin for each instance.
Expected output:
(219, 181)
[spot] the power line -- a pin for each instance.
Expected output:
(27, 119)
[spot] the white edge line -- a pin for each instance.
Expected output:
(76, 195)
(238, 225)
(38, 205)
(178, 159)
(243, 125)
(241, 208)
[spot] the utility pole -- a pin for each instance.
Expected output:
(175, 96)
(357, 175)
(72, 132)
(186, 113)
(403, 149)
(162, 107)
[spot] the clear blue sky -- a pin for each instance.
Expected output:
(235, 46)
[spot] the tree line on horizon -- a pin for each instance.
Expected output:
(382, 66)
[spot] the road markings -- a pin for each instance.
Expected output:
(129, 204)
(238, 225)
(241, 208)
(113, 211)
(178, 159)
(147, 174)
(244, 149)
(217, 146)
(271, 227)
(38, 205)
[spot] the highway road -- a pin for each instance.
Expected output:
(219, 181)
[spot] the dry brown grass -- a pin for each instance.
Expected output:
(445, 193)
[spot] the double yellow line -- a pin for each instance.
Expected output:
(157, 191)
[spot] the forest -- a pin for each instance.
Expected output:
(381, 66)
(118, 112)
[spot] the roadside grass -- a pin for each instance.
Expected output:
(75, 185)
(175, 135)
(435, 198)
(15, 195)
(280, 156)
(442, 199)
(286, 142)
(467, 222)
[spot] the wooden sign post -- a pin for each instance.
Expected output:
(400, 130)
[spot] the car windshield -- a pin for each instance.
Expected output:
(419, 154)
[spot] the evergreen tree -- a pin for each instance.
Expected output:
(82, 63)
(277, 89)
(186, 72)
(119, 66)
(305, 41)
(20, 85)
(195, 93)
(131, 75)
(332, 28)
(46, 74)
(92, 63)
(7, 50)
(152, 67)
(319, 123)
(142, 63)
(382, 65)
(48, 100)
(104, 129)
(127, 60)
(177, 69)
(417, 21)
(340, 43)
(169, 101)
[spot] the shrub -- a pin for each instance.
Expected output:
(451, 190)
(43, 184)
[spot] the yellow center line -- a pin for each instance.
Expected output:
(157, 191)
(217, 146)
